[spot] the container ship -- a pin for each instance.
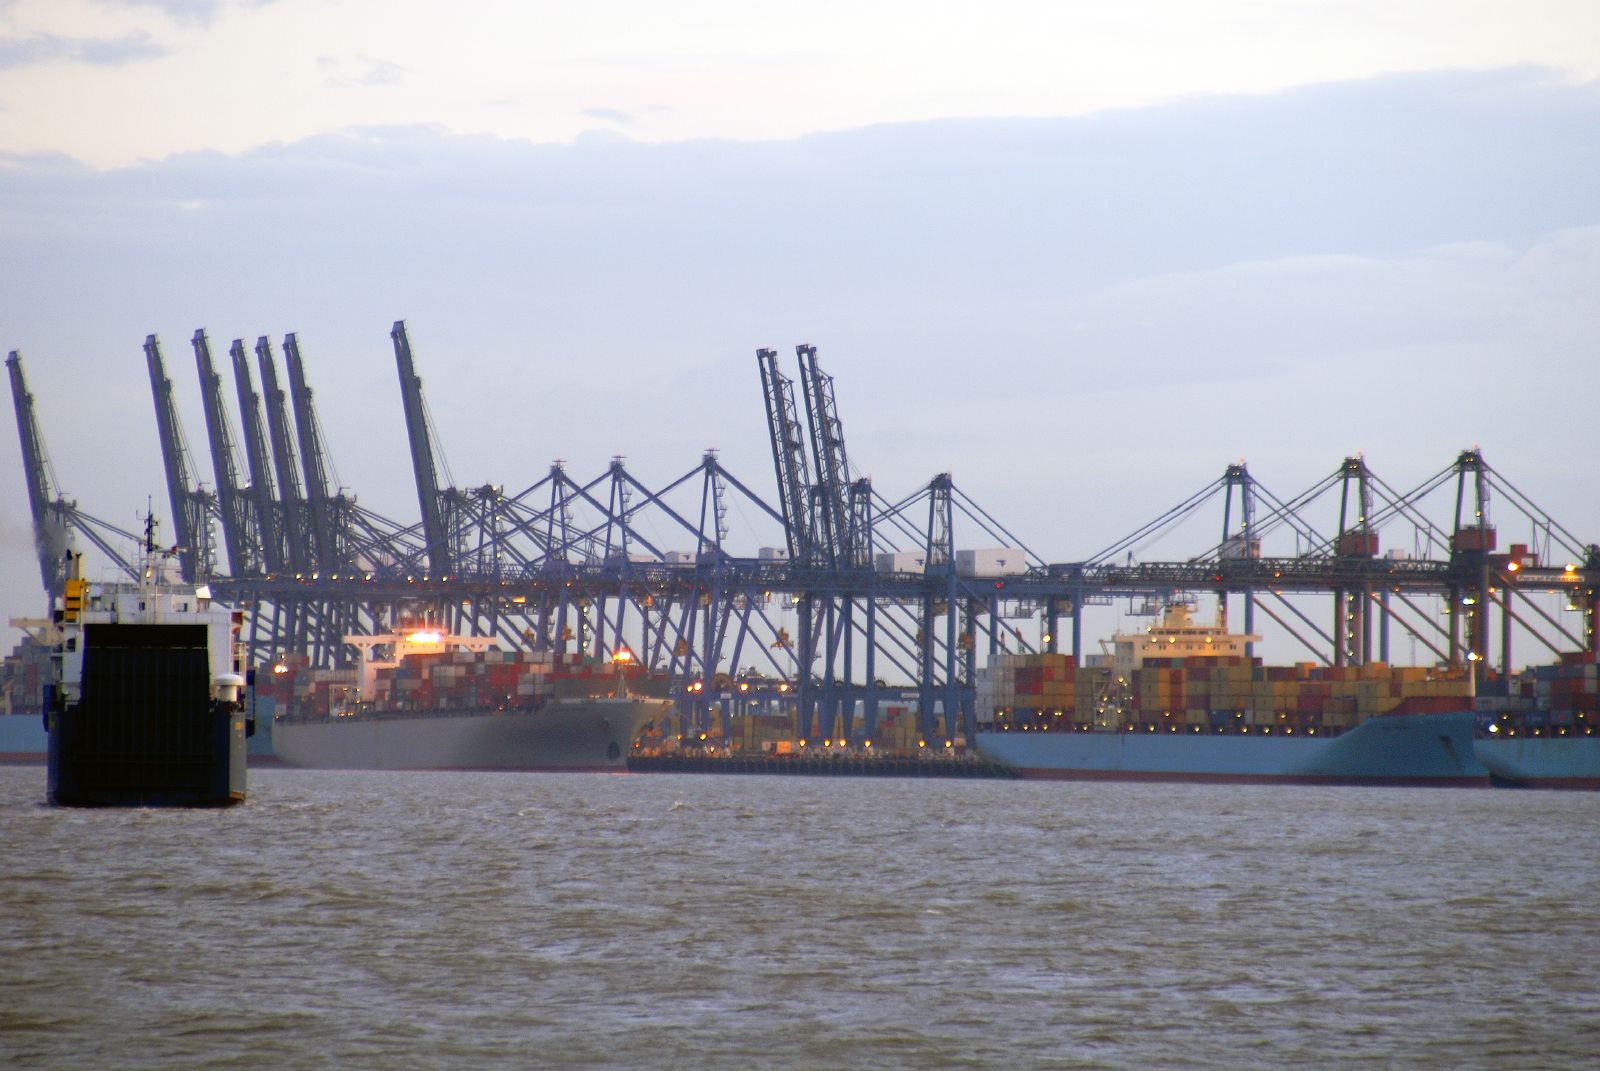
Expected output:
(1542, 729)
(424, 700)
(144, 706)
(25, 675)
(1182, 701)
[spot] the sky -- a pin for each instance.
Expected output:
(1080, 256)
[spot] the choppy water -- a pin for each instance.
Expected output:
(527, 920)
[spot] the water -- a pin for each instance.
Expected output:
(603, 921)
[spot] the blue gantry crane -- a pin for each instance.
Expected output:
(848, 600)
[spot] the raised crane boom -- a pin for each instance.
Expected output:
(297, 538)
(788, 454)
(188, 503)
(433, 522)
(238, 522)
(49, 526)
(263, 489)
(312, 458)
(827, 450)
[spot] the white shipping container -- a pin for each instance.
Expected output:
(773, 554)
(901, 561)
(992, 561)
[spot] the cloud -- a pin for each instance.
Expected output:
(1084, 319)
(630, 117)
(38, 49)
(365, 72)
(610, 115)
(192, 12)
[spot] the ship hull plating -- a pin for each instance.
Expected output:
(570, 734)
(1408, 749)
(1543, 761)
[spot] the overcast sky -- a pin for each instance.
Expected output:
(1081, 260)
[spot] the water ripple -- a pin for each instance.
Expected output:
(565, 921)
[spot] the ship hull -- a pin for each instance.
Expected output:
(145, 731)
(23, 740)
(568, 734)
(1571, 762)
(1407, 749)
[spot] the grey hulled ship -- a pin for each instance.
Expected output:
(423, 700)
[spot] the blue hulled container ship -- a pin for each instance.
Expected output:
(1181, 701)
(1395, 749)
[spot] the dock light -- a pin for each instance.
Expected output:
(425, 636)
(827, 743)
(802, 742)
(1494, 727)
(279, 668)
(922, 743)
(623, 655)
(744, 686)
(1047, 637)
(949, 744)
(783, 687)
(866, 743)
(702, 736)
(1512, 567)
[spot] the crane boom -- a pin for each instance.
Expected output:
(788, 454)
(313, 459)
(262, 490)
(49, 528)
(433, 525)
(827, 451)
(238, 523)
(188, 517)
(297, 539)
